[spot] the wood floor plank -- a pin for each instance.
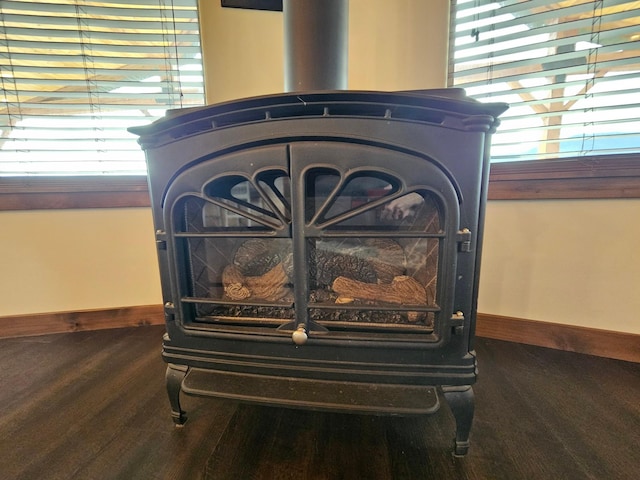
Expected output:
(567, 425)
(107, 416)
(93, 405)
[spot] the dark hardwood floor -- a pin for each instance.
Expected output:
(92, 405)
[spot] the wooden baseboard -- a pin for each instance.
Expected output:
(602, 343)
(64, 322)
(592, 341)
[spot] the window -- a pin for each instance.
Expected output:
(75, 74)
(569, 69)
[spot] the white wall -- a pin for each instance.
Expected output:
(393, 45)
(242, 51)
(68, 260)
(398, 45)
(574, 262)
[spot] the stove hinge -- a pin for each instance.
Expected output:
(463, 237)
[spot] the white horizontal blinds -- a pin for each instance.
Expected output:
(569, 69)
(75, 74)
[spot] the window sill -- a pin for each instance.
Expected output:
(614, 176)
(576, 178)
(37, 193)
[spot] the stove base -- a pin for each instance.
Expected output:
(335, 396)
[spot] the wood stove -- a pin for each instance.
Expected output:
(321, 248)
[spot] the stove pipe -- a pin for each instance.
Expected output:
(315, 44)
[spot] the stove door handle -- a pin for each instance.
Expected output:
(300, 336)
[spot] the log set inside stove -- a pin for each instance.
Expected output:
(356, 272)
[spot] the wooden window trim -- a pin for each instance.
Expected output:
(615, 176)
(611, 176)
(41, 193)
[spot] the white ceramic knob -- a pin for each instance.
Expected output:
(300, 336)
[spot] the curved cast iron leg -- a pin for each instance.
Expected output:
(174, 376)
(461, 402)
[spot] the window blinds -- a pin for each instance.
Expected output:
(75, 74)
(569, 69)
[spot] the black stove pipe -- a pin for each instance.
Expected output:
(315, 44)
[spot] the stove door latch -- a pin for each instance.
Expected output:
(463, 237)
(161, 240)
(457, 323)
(169, 311)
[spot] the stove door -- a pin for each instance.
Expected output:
(336, 239)
(377, 229)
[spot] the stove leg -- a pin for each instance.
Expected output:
(174, 377)
(461, 402)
